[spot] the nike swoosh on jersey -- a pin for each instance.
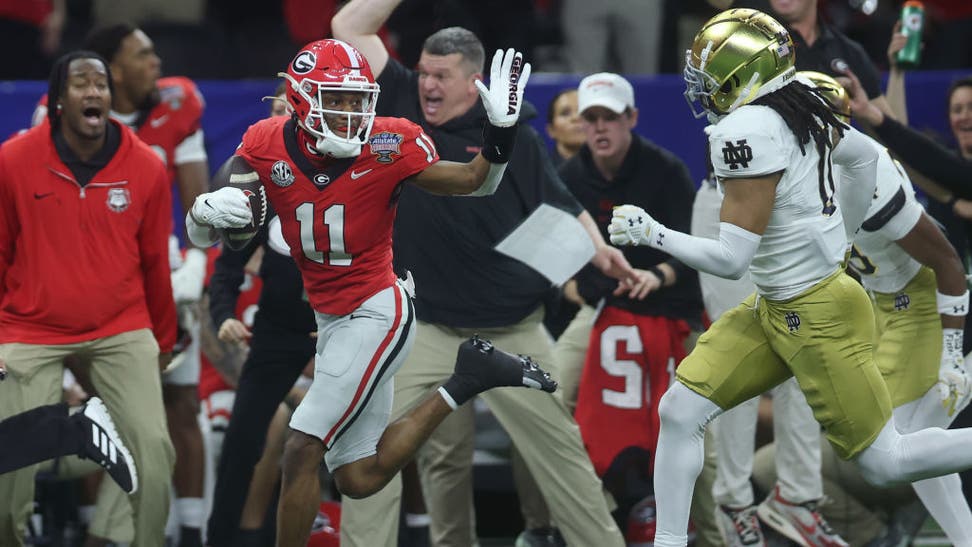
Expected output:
(156, 122)
(355, 175)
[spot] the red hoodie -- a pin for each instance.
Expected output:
(77, 264)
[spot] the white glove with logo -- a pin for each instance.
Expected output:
(631, 225)
(187, 279)
(954, 384)
(227, 207)
(507, 78)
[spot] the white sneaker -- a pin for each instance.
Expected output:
(800, 522)
(103, 445)
(739, 527)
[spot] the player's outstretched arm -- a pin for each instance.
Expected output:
(234, 212)
(502, 100)
(744, 216)
(358, 22)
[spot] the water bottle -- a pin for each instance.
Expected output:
(912, 23)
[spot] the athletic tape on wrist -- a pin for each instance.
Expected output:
(498, 143)
(952, 305)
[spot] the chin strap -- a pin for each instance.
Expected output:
(337, 149)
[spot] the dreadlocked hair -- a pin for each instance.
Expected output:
(806, 112)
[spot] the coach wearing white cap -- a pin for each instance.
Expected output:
(648, 329)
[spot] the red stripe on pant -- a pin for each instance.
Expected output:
(372, 365)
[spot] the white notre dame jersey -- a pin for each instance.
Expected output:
(804, 241)
(884, 266)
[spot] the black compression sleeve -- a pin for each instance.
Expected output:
(929, 158)
(498, 142)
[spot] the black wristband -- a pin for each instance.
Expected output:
(498, 142)
(658, 272)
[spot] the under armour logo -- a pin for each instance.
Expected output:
(902, 302)
(958, 310)
(792, 321)
(633, 221)
(738, 154)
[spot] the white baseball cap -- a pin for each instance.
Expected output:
(605, 89)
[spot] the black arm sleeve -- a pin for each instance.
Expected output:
(224, 285)
(927, 157)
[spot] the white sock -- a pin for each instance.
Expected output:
(190, 512)
(942, 496)
(678, 461)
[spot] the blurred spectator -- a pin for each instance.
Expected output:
(619, 35)
(138, 12)
(823, 48)
(564, 128)
(30, 33)
(949, 45)
(99, 203)
(638, 338)
(465, 286)
(498, 24)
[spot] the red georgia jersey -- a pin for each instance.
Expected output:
(338, 218)
(177, 115)
(630, 364)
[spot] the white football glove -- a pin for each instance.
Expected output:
(954, 384)
(507, 78)
(187, 279)
(631, 225)
(227, 207)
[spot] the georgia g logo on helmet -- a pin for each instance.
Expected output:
(304, 62)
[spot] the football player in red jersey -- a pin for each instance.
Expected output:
(166, 114)
(332, 172)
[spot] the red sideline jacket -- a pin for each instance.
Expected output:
(77, 264)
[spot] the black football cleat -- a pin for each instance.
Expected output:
(492, 367)
(103, 445)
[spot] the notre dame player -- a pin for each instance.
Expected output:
(772, 144)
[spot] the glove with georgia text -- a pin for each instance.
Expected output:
(631, 225)
(227, 207)
(503, 98)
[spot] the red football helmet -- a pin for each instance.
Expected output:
(327, 67)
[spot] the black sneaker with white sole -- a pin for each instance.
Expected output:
(102, 444)
(481, 366)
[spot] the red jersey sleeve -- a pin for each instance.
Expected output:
(418, 151)
(154, 250)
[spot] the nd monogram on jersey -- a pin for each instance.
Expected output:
(804, 241)
(338, 219)
(884, 266)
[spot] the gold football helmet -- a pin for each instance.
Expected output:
(835, 93)
(738, 56)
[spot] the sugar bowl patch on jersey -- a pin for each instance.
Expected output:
(383, 145)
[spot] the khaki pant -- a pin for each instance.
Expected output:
(124, 370)
(539, 425)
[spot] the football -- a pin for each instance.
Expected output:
(237, 238)
(238, 174)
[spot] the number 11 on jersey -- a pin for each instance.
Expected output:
(334, 223)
